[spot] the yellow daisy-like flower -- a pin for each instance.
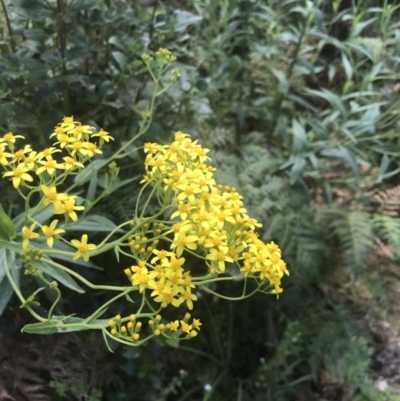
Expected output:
(220, 256)
(196, 324)
(10, 138)
(51, 231)
(103, 135)
(19, 154)
(71, 163)
(47, 152)
(50, 166)
(51, 195)
(83, 248)
(28, 234)
(183, 241)
(174, 325)
(4, 155)
(68, 207)
(30, 159)
(90, 149)
(19, 174)
(188, 297)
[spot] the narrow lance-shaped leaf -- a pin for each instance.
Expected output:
(7, 227)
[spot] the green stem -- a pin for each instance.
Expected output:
(98, 311)
(83, 280)
(18, 292)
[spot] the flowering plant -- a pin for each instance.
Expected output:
(195, 217)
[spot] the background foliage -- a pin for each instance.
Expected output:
(298, 101)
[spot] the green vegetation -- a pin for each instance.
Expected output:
(298, 102)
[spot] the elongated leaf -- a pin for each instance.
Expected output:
(299, 138)
(42, 217)
(31, 299)
(86, 174)
(6, 292)
(347, 67)
(40, 328)
(345, 154)
(7, 227)
(59, 275)
(93, 223)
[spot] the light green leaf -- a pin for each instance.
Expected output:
(93, 223)
(59, 275)
(347, 67)
(299, 138)
(121, 59)
(86, 174)
(6, 292)
(7, 227)
(40, 328)
(31, 299)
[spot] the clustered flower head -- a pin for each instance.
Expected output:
(74, 145)
(208, 220)
(211, 218)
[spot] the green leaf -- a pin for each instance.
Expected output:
(91, 193)
(7, 227)
(347, 67)
(31, 299)
(40, 328)
(59, 275)
(121, 59)
(361, 26)
(299, 138)
(93, 223)
(345, 154)
(42, 217)
(6, 292)
(86, 174)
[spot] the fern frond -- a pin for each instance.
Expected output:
(353, 231)
(388, 228)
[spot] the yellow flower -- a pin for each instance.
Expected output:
(83, 248)
(51, 195)
(51, 231)
(10, 138)
(182, 241)
(90, 149)
(188, 297)
(68, 207)
(63, 140)
(50, 166)
(196, 324)
(142, 277)
(19, 174)
(103, 135)
(29, 160)
(220, 256)
(167, 297)
(186, 327)
(19, 154)
(47, 152)
(71, 163)
(174, 325)
(4, 155)
(28, 234)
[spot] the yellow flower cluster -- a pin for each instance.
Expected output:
(212, 219)
(169, 283)
(72, 138)
(175, 329)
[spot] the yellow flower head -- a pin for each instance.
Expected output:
(83, 248)
(28, 234)
(19, 174)
(51, 231)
